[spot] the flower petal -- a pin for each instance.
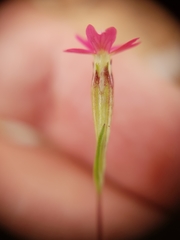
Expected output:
(79, 50)
(107, 38)
(93, 37)
(85, 42)
(125, 46)
(113, 48)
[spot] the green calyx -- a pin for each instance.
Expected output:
(102, 102)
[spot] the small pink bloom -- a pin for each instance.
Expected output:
(96, 42)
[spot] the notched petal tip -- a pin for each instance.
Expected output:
(130, 44)
(135, 41)
(108, 38)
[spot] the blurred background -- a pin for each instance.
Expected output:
(156, 22)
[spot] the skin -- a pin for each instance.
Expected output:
(46, 189)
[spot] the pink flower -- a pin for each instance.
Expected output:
(97, 43)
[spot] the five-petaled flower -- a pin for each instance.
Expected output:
(101, 47)
(97, 43)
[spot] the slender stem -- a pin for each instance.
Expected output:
(99, 216)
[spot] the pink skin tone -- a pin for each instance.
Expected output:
(101, 42)
(47, 190)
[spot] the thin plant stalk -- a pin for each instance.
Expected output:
(100, 232)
